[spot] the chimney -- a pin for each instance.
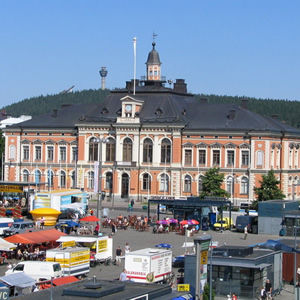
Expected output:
(54, 114)
(203, 100)
(180, 86)
(232, 114)
(245, 103)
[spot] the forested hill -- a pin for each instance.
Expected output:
(287, 111)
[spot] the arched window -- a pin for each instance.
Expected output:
(12, 152)
(200, 184)
(93, 149)
(146, 182)
(165, 151)
(91, 180)
(229, 185)
(147, 151)
(244, 185)
(25, 176)
(260, 158)
(164, 183)
(110, 150)
(187, 183)
(127, 149)
(62, 179)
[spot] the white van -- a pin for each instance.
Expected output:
(37, 269)
(5, 223)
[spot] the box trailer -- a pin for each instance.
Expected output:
(73, 261)
(101, 245)
(149, 265)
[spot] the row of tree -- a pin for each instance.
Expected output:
(268, 189)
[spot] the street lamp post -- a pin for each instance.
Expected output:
(99, 141)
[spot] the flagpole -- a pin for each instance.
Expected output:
(134, 67)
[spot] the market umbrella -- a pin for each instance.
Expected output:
(90, 219)
(173, 221)
(189, 222)
(72, 224)
(164, 222)
(164, 245)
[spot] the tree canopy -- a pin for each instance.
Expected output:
(268, 189)
(211, 184)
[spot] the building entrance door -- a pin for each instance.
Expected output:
(125, 186)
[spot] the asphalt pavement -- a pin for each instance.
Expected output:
(139, 240)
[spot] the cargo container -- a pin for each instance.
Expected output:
(149, 265)
(73, 261)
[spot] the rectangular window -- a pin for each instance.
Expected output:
(38, 152)
(74, 153)
(202, 157)
(62, 153)
(188, 157)
(50, 153)
(216, 157)
(245, 158)
(26, 152)
(230, 158)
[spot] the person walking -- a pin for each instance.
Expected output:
(132, 203)
(268, 288)
(245, 232)
(42, 224)
(118, 255)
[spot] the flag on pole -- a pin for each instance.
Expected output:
(134, 68)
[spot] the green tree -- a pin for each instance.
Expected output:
(268, 189)
(211, 184)
(206, 293)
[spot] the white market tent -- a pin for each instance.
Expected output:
(19, 280)
(6, 246)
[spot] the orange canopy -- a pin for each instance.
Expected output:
(36, 237)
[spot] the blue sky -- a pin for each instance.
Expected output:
(224, 47)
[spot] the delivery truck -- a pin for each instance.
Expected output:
(149, 265)
(74, 261)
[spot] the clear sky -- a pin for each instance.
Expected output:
(224, 47)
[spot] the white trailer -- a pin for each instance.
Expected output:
(102, 245)
(73, 261)
(148, 265)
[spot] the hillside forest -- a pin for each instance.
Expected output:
(286, 111)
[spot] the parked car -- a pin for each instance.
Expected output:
(224, 224)
(19, 227)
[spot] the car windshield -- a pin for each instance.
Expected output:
(16, 226)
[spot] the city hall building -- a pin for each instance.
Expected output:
(152, 139)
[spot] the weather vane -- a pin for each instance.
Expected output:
(154, 35)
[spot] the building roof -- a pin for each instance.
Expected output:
(107, 290)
